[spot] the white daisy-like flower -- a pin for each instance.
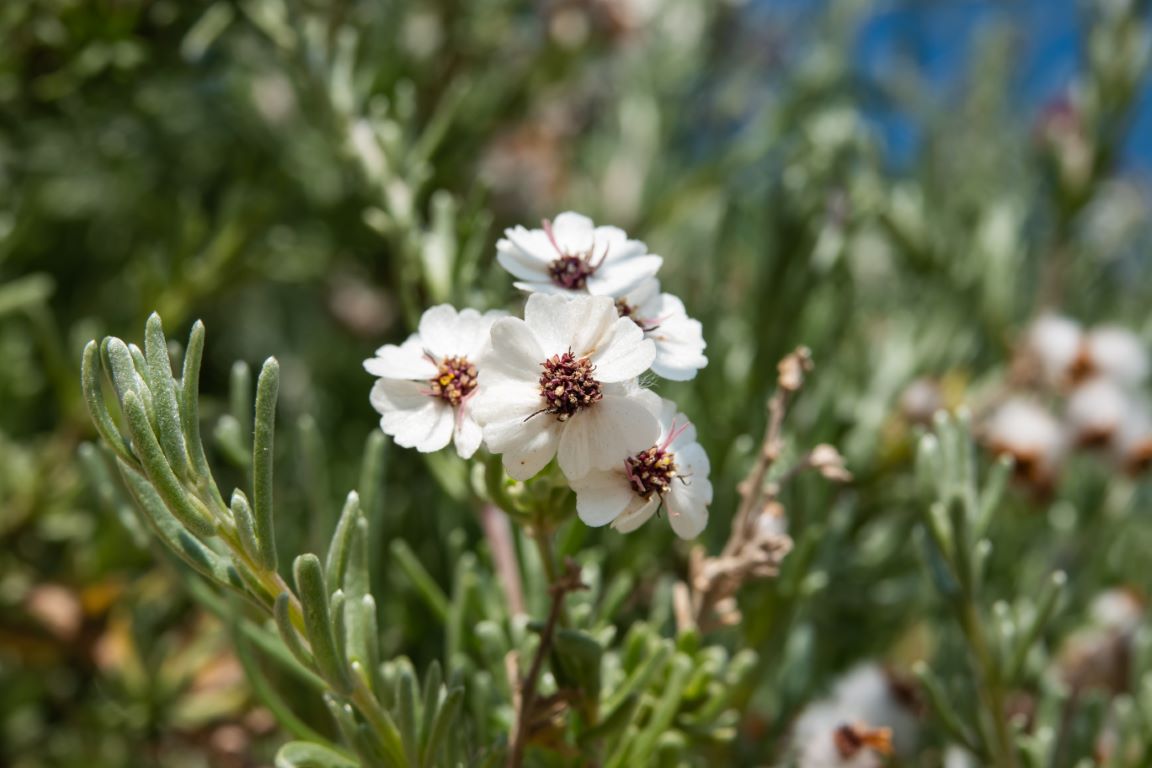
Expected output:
(862, 720)
(561, 382)
(1132, 443)
(572, 255)
(1096, 410)
(1031, 435)
(427, 384)
(671, 473)
(1116, 352)
(1055, 341)
(679, 339)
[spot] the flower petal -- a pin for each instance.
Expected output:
(515, 351)
(637, 514)
(406, 361)
(563, 323)
(604, 435)
(601, 497)
(410, 417)
(616, 277)
(623, 352)
(573, 232)
(687, 515)
(468, 435)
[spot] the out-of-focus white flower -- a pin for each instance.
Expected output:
(673, 473)
(679, 339)
(920, 400)
(1132, 445)
(1054, 341)
(572, 255)
(1097, 655)
(1096, 410)
(427, 384)
(1117, 353)
(862, 719)
(1117, 609)
(1031, 435)
(958, 757)
(561, 382)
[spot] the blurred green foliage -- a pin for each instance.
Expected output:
(306, 176)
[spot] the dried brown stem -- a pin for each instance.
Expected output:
(525, 701)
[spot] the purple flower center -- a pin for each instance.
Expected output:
(454, 381)
(571, 272)
(651, 471)
(568, 385)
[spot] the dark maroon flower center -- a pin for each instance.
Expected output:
(651, 471)
(454, 381)
(568, 385)
(571, 272)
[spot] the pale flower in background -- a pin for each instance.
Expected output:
(864, 719)
(1096, 410)
(1132, 444)
(561, 382)
(1117, 353)
(1031, 435)
(424, 394)
(1054, 342)
(672, 474)
(679, 339)
(572, 255)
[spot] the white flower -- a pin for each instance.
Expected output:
(1054, 341)
(671, 473)
(572, 255)
(1117, 353)
(1132, 444)
(1096, 410)
(1031, 435)
(861, 720)
(561, 382)
(427, 384)
(679, 339)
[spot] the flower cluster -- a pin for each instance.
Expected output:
(1075, 388)
(563, 382)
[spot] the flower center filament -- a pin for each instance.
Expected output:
(624, 309)
(568, 385)
(651, 471)
(571, 272)
(454, 381)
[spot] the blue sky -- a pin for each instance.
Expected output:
(938, 35)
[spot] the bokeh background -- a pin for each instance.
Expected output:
(900, 186)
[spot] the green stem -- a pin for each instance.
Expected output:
(989, 686)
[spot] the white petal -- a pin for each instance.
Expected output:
(638, 513)
(534, 448)
(687, 515)
(412, 418)
(439, 330)
(504, 402)
(645, 299)
(601, 497)
(468, 434)
(617, 278)
(526, 253)
(515, 351)
(573, 232)
(406, 361)
(440, 432)
(543, 287)
(563, 323)
(623, 353)
(602, 436)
